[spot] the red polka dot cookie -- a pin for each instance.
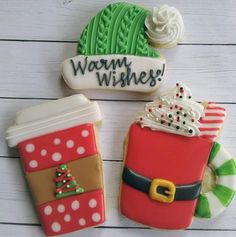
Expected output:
(58, 148)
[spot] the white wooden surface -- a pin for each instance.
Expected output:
(36, 36)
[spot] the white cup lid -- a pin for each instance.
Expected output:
(52, 116)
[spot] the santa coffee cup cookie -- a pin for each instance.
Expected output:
(167, 151)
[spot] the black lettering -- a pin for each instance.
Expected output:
(104, 78)
(79, 67)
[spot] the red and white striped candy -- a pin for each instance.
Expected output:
(213, 121)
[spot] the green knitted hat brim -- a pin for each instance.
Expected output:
(117, 29)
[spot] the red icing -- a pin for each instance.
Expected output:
(212, 121)
(60, 147)
(156, 154)
(58, 217)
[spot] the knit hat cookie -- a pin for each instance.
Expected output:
(114, 51)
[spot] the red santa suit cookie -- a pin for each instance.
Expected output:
(167, 151)
(58, 148)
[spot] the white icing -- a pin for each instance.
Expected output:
(96, 217)
(229, 181)
(61, 208)
(174, 112)
(67, 218)
(29, 147)
(85, 133)
(80, 150)
(165, 26)
(221, 157)
(48, 210)
(33, 164)
(43, 152)
(82, 221)
(76, 79)
(52, 116)
(92, 203)
(56, 227)
(56, 156)
(56, 141)
(215, 205)
(70, 143)
(75, 205)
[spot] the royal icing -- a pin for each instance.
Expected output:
(154, 155)
(116, 72)
(113, 53)
(175, 112)
(52, 116)
(66, 184)
(213, 120)
(212, 203)
(58, 148)
(165, 26)
(164, 165)
(72, 213)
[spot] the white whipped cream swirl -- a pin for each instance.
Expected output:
(174, 112)
(165, 26)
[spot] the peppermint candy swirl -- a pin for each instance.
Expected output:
(165, 26)
(174, 112)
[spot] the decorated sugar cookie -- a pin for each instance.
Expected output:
(62, 164)
(114, 50)
(168, 149)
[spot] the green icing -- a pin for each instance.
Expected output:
(69, 183)
(214, 151)
(117, 29)
(202, 209)
(224, 194)
(228, 168)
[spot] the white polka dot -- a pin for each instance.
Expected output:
(56, 141)
(96, 217)
(56, 156)
(92, 203)
(30, 147)
(70, 144)
(75, 205)
(85, 133)
(82, 221)
(67, 218)
(56, 227)
(61, 208)
(48, 210)
(33, 164)
(43, 152)
(80, 150)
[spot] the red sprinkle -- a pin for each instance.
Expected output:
(177, 84)
(150, 110)
(141, 119)
(171, 107)
(192, 120)
(176, 106)
(180, 108)
(160, 106)
(162, 115)
(177, 94)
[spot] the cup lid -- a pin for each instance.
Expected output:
(52, 116)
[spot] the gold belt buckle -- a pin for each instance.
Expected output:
(170, 192)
